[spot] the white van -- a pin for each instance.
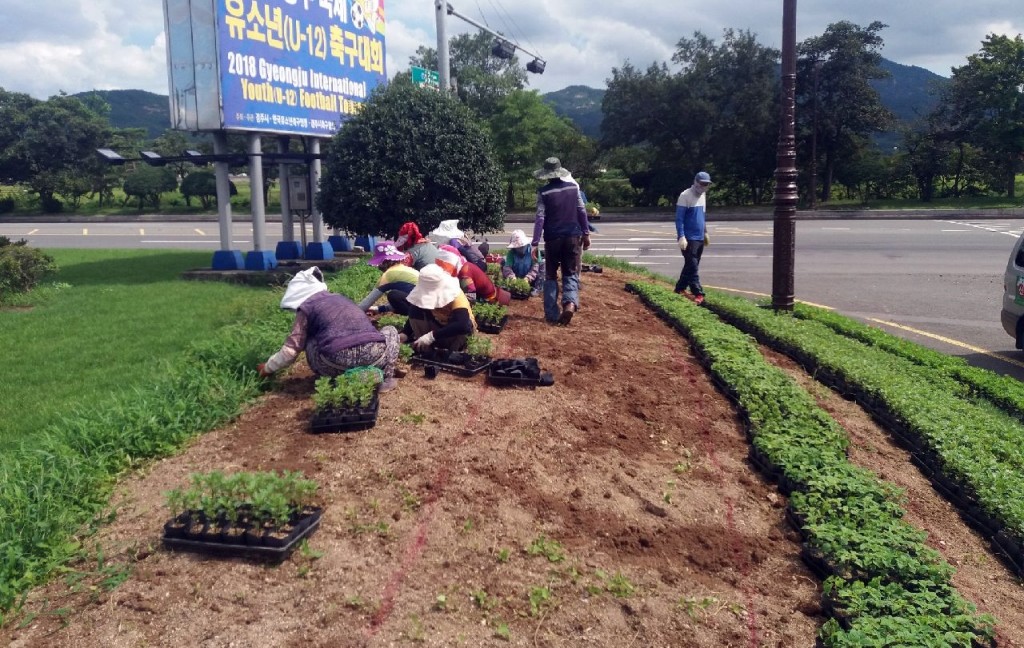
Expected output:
(1013, 294)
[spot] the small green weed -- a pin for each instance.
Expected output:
(620, 587)
(550, 549)
(540, 599)
(501, 630)
(410, 501)
(415, 633)
(483, 600)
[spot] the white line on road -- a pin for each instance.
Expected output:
(85, 232)
(142, 232)
(199, 232)
(32, 232)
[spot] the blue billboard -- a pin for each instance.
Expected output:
(282, 66)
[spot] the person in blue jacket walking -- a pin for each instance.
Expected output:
(692, 234)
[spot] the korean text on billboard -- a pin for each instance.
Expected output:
(298, 66)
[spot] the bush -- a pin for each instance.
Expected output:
(411, 155)
(21, 267)
(51, 205)
(7, 205)
(203, 185)
(147, 183)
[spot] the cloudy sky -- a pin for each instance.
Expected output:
(48, 46)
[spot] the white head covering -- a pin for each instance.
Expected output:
(518, 239)
(303, 286)
(446, 231)
(436, 288)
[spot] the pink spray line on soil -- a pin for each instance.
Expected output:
(418, 542)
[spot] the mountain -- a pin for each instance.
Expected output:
(581, 104)
(909, 93)
(136, 109)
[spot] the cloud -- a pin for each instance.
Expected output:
(77, 45)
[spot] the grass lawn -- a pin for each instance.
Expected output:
(108, 322)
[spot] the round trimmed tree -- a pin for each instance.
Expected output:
(411, 154)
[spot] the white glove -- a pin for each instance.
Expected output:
(682, 243)
(424, 342)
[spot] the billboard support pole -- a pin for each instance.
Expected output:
(319, 248)
(225, 258)
(259, 258)
(286, 247)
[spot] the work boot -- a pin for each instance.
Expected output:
(568, 309)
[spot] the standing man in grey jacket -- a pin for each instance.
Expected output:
(562, 221)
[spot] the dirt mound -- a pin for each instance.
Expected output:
(615, 508)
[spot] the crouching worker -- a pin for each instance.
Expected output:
(522, 262)
(333, 331)
(439, 312)
(474, 282)
(395, 282)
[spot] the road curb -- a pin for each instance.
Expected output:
(605, 217)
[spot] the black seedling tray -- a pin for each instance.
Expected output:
(590, 267)
(518, 372)
(454, 362)
(486, 327)
(256, 546)
(345, 420)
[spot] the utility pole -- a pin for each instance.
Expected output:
(784, 243)
(443, 67)
(502, 49)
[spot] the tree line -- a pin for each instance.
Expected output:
(714, 106)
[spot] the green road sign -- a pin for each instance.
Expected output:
(426, 78)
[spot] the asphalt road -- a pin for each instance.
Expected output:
(937, 282)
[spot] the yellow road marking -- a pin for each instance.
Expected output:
(957, 343)
(760, 294)
(199, 232)
(142, 232)
(32, 232)
(909, 329)
(85, 232)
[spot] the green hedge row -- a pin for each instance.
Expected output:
(883, 586)
(975, 443)
(1005, 391)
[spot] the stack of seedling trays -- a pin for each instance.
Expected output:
(518, 372)
(456, 362)
(248, 515)
(346, 403)
(349, 419)
(492, 327)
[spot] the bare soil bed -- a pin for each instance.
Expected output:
(616, 508)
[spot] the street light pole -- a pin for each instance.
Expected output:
(443, 70)
(784, 243)
(442, 9)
